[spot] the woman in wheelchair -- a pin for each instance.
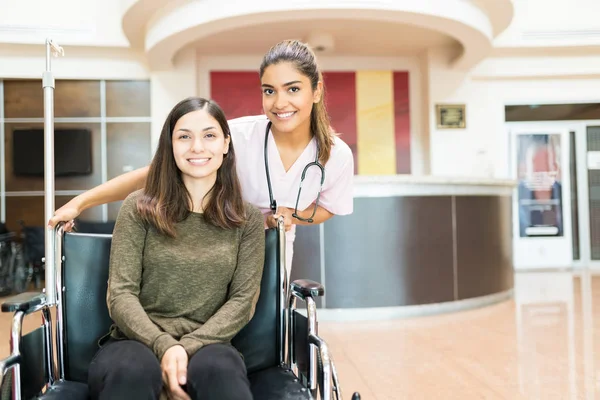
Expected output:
(185, 268)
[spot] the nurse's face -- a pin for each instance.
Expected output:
(288, 97)
(198, 145)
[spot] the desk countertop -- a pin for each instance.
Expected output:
(427, 185)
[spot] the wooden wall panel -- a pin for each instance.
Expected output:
(25, 99)
(128, 148)
(31, 210)
(128, 98)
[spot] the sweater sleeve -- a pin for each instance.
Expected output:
(125, 278)
(243, 290)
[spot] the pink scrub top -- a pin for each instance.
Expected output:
(248, 138)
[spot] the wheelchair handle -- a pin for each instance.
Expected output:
(56, 268)
(283, 298)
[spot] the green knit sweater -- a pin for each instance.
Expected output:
(193, 290)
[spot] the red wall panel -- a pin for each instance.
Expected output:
(402, 122)
(237, 92)
(340, 100)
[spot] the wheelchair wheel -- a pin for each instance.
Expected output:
(21, 281)
(337, 391)
(21, 272)
(6, 389)
(320, 377)
(5, 268)
(37, 277)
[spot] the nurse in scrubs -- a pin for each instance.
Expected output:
(289, 160)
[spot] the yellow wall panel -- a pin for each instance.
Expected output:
(376, 147)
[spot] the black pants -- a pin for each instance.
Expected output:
(128, 370)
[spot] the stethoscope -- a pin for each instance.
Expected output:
(316, 163)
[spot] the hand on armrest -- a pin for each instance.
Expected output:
(23, 302)
(308, 288)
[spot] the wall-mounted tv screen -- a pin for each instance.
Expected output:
(72, 152)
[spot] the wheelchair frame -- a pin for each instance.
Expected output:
(320, 376)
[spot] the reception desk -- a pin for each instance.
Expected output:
(413, 246)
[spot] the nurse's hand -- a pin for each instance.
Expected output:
(286, 213)
(65, 214)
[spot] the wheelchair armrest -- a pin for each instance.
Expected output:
(24, 302)
(307, 288)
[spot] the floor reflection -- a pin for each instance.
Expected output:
(545, 308)
(542, 344)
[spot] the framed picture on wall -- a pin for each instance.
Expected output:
(450, 116)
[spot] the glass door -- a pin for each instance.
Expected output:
(588, 141)
(580, 191)
(540, 163)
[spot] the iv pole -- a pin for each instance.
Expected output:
(48, 84)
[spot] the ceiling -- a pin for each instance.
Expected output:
(351, 37)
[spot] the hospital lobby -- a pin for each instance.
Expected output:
(469, 267)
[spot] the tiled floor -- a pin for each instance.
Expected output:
(543, 345)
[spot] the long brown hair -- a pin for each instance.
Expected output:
(166, 201)
(304, 59)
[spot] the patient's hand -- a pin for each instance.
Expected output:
(65, 214)
(174, 372)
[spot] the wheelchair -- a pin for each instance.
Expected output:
(8, 252)
(14, 269)
(34, 247)
(284, 355)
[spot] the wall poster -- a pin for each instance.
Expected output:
(540, 199)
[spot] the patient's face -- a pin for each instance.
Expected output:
(198, 145)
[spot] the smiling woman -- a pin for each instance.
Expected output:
(185, 268)
(293, 95)
(194, 169)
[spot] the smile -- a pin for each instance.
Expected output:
(198, 161)
(285, 115)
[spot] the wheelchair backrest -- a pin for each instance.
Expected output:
(84, 226)
(85, 313)
(259, 340)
